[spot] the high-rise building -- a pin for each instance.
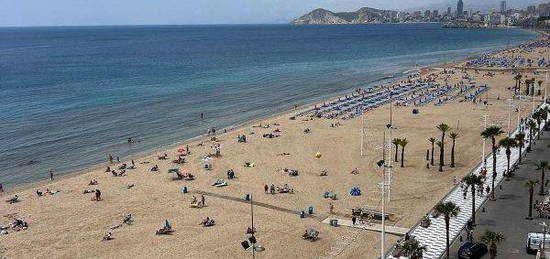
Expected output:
(502, 6)
(459, 8)
(435, 13)
(531, 9)
(449, 11)
(544, 9)
(427, 13)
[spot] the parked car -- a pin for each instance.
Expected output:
(471, 250)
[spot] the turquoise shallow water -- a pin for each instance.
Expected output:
(71, 95)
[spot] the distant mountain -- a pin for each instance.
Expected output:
(362, 16)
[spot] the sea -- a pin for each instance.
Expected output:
(69, 96)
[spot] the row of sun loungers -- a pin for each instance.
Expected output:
(354, 105)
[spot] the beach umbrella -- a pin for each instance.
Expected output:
(318, 154)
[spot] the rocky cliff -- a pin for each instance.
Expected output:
(364, 15)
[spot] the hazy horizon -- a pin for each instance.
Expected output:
(32, 13)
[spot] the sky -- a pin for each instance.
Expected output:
(142, 12)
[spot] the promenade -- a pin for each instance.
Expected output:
(433, 237)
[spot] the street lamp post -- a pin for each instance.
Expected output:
(362, 131)
(509, 115)
(484, 140)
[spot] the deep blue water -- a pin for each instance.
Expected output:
(71, 95)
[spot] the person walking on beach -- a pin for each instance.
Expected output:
(133, 164)
(51, 175)
(1, 188)
(118, 159)
(266, 188)
(203, 200)
(331, 208)
(110, 158)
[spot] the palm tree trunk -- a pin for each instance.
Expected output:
(530, 138)
(530, 203)
(447, 219)
(453, 154)
(433, 149)
(494, 154)
(402, 156)
(542, 182)
(396, 152)
(473, 204)
(493, 186)
(442, 155)
(508, 163)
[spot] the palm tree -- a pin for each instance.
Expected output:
(492, 132)
(412, 249)
(474, 180)
(531, 185)
(453, 136)
(439, 144)
(542, 166)
(403, 143)
(540, 86)
(518, 83)
(508, 143)
(448, 209)
(395, 142)
(532, 125)
(492, 239)
(432, 141)
(520, 140)
(443, 128)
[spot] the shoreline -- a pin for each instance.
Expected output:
(204, 137)
(68, 223)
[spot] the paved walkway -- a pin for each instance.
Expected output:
(511, 222)
(373, 227)
(433, 237)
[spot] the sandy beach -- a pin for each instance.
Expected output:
(69, 224)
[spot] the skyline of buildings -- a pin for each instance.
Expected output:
(499, 15)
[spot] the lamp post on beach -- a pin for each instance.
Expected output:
(389, 167)
(251, 242)
(509, 115)
(362, 130)
(484, 140)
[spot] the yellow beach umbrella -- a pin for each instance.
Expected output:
(318, 154)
